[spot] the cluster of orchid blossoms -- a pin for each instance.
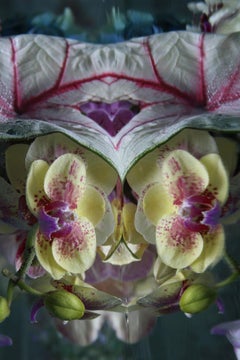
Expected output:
(93, 248)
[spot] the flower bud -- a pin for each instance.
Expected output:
(4, 309)
(64, 305)
(196, 298)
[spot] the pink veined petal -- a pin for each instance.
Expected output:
(176, 245)
(183, 175)
(65, 179)
(76, 251)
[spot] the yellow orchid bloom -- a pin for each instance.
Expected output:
(59, 197)
(184, 206)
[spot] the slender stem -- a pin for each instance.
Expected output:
(228, 281)
(233, 265)
(29, 253)
(235, 269)
(10, 291)
(14, 280)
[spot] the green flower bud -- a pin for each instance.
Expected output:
(196, 298)
(4, 309)
(64, 305)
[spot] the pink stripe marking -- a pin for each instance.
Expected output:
(16, 90)
(201, 93)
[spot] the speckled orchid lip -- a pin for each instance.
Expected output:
(200, 213)
(55, 219)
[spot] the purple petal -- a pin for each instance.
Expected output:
(5, 340)
(111, 117)
(35, 309)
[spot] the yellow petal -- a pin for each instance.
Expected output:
(176, 245)
(145, 171)
(143, 225)
(45, 257)
(65, 179)
(15, 166)
(157, 203)
(105, 227)
(218, 178)
(91, 205)
(76, 251)
(100, 173)
(183, 175)
(50, 147)
(35, 195)
(190, 140)
(212, 250)
(120, 256)
(130, 233)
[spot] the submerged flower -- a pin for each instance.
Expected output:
(232, 331)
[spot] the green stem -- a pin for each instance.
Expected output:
(10, 291)
(235, 269)
(29, 253)
(16, 281)
(233, 265)
(228, 281)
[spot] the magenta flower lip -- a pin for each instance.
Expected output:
(201, 213)
(55, 219)
(113, 116)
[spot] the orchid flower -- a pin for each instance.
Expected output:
(61, 206)
(232, 331)
(183, 202)
(58, 197)
(67, 207)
